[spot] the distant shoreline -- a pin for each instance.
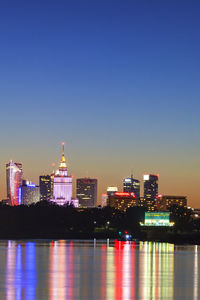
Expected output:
(172, 240)
(48, 221)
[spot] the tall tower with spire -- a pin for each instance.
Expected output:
(62, 184)
(63, 163)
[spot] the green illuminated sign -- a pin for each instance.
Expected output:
(157, 219)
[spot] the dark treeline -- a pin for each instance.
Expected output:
(48, 220)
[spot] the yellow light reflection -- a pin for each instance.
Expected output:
(156, 267)
(110, 274)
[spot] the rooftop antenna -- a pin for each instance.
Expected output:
(63, 148)
(132, 173)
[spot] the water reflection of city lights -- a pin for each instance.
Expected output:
(156, 262)
(196, 273)
(76, 270)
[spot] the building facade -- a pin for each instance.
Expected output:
(86, 192)
(14, 177)
(45, 187)
(131, 185)
(29, 193)
(164, 202)
(111, 190)
(122, 200)
(62, 185)
(150, 191)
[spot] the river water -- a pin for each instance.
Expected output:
(58, 270)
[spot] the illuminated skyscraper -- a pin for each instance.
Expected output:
(86, 192)
(131, 185)
(150, 190)
(14, 176)
(45, 187)
(62, 185)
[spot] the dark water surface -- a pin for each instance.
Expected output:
(78, 270)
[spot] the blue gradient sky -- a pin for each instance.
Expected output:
(117, 80)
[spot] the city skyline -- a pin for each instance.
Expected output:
(100, 149)
(56, 167)
(118, 81)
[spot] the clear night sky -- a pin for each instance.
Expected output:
(117, 80)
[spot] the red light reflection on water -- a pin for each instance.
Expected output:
(103, 272)
(118, 255)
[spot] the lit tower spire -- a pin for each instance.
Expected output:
(63, 145)
(63, 164)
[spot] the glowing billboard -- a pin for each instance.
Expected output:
(157, 219)
(124, 194)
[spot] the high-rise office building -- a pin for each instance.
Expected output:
(86, 192)
(122, 200)
(150, 191)
(131, 185)
(111, 190)
(14, 176)
(45, 187)
(29, 193)
(164, 202)
(62, 185)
